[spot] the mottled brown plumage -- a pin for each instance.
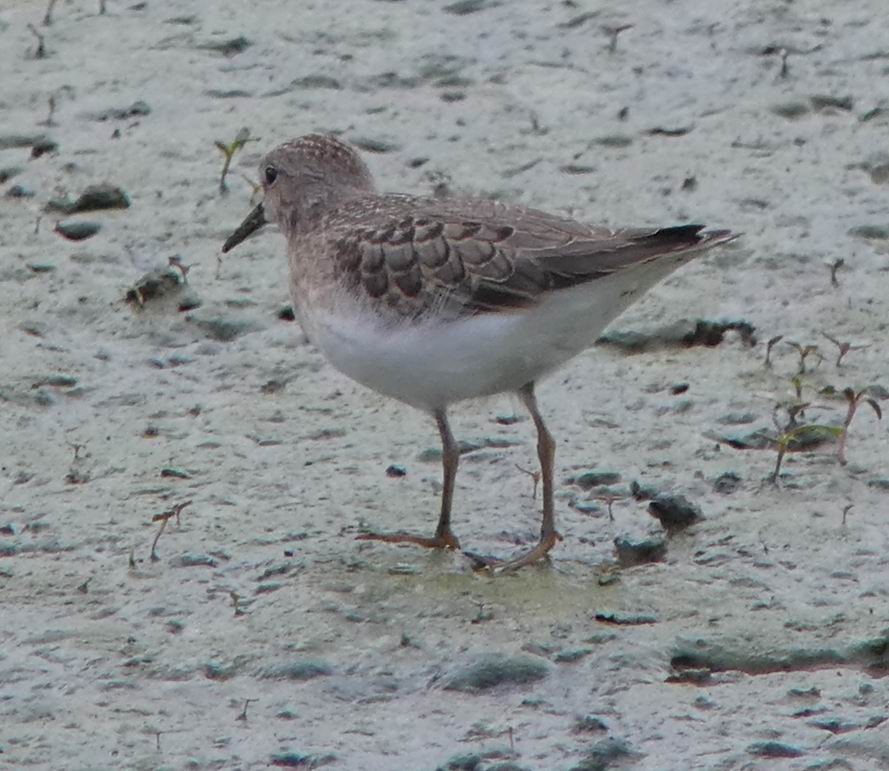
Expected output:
(432, 301)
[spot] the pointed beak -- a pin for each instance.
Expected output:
(253, 222)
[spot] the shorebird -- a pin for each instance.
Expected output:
(433, 301)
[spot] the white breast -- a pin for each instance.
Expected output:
(433, 363)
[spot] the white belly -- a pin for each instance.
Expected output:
(433, 363)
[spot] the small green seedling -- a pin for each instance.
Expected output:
(843, 348)
(769, 345)
(804, 352)
(854, 400)
(229, 151)
(798, 437)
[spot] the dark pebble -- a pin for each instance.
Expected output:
(497, 670)
(462, 763)
(19, 191)
(298, 760)
(626, 619)
(396, 471)
(136, 109)
(154, 285)
(9, 172)
(99, 197)
(590, 479)
(643, 492)
(774, 750)
(605, 754)
(307, 669)
(465, 7)
(726, 483)
(790, 110)
(589, 724)
(317, 81)
(827, 102)
(190, 560)
(674, 512)
(77, 231)
(374, 145)
(570, 657)
(43, 146)
(631, 553)
(684, 333)
(222, 328)
(870, 232)
(229, 47)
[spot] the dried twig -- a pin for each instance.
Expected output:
(243, 715)
(769, 345)
(535, 475)
(609, 501)
(163, 518)
(47, 18)
(613, 30)
(176, 262)
(834, 267)
(40, 51)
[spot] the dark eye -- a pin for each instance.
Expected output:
(271, 174)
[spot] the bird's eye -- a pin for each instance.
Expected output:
(271, 174)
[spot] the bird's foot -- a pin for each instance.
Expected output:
(496, 566)
(443, 540)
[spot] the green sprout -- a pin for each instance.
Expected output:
(769, 345)
(799, 438)
(229, 151)
(804, 352)
(844, 348)
(854, 400)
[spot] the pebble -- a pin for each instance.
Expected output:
(494, 670)
(302, 669)
(19, 191)
(630, 553)
(674, 512)
(595, 478)
(93, 198)
(726, 483)
(774, 750)
(77, 231)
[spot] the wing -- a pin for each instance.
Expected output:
(463, 258)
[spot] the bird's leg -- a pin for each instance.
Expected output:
(546, 452)
(444, 538)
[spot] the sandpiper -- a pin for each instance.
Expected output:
(433, 301)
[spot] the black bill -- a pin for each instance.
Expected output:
(253, 222)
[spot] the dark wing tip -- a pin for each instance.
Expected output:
(691, 235)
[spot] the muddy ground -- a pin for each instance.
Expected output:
(263, 635)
